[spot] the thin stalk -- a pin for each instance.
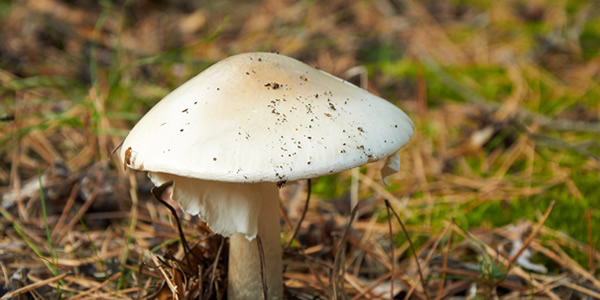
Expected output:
(338, 262)
(393, 245)
(412, 248)
(94, 248)
(48, 233)
(54, 269)
(297, 229)
(157, 192)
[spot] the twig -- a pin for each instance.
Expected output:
(214, 270)
(263, 277)
(157, 192)
(445, 265)
(433, 247)
(337, 261)
(5, 274)
(93, 289)
(167, 278)
(580, 289)
(569, 263)
(66, 209)
(82, 210)
(297, 229)
(117, 147)
(372, 285)
(412, 247)
(531, 236)
(33, 286)
(393, 245)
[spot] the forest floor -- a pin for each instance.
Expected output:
(498, 189)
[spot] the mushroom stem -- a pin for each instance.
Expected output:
(244, 278)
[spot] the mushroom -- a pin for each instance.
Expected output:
(226, 136)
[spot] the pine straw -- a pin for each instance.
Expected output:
(113, 240)
(366, 261)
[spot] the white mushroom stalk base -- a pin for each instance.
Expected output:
(240, 211)
(244, 264)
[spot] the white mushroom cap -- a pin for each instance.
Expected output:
(224, 136)
(264, 117)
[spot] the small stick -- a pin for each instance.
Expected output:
(297, 229)
(412, 247)
(5, 273)
(66, 209)
(533, 234)
(214, 270)
(32, 287)
(445, 264)
(392, 244)
(82, 210)
(166, 277)
(95, 288)
(117, 147)
(372, 286)
(263, 277)
(338, 260)
(157, 192)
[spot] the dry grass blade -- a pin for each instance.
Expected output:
(30, 234)
(530, 238)
(66, 209)
(570, 263)
(434, 247)
(166, 277)
(372, 286)
(412, 247)
(4, 273)
(336, 279)
(445, 265)
(586, 291)
(297, 229)
(82, 210)
(214, 271)
(31, 287)
(87, 292)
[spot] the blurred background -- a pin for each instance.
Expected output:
(505, 97)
